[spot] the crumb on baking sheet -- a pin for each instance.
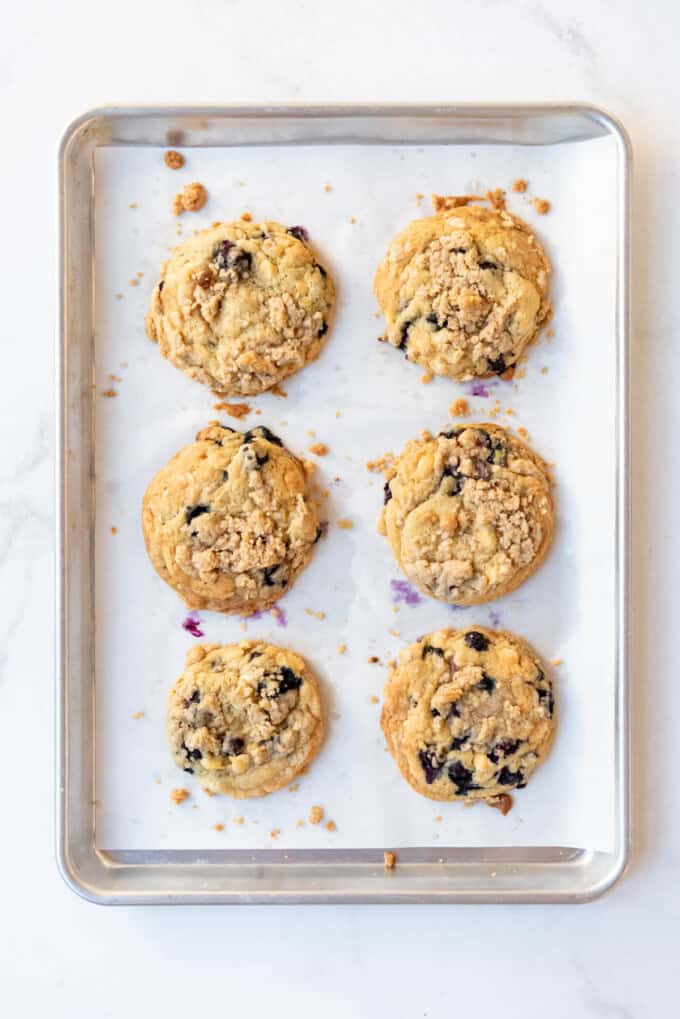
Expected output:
(460, 408)
(218, 827)
(344, 524)
(138, 714)
(373, 660)
(373, 699)
(316, 815)
(520, 185)
(179, 795)
(541, 205)
(502, 802)
(234, 410)
(173, 160)
(274, 833)
(133, 282)
(341, 649)
(246, 217)
(496, 199)
(426, 378)
(557, 661)
(110, 393)
(444, 203)
(278, 391)
(114, 530)
(238, 820)
(192, 198)
(319, 449)
(331, 826)
(390, 860)
(381, 464)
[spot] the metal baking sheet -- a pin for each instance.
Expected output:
(121, 641)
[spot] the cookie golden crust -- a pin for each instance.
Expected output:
(241, 306)
(469, 513)
(468, 714)
(463, 292)
(228, 522)
(245, 718)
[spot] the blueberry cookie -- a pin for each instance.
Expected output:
(463, 292)
(468, 714)
(244, 718)
(241, 306)
(468, 513)
(228, 522)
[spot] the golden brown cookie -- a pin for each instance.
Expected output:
(468, 714)
(228, 522)
(240, 306)
(468, 513)
(245, 718)
(463, 292)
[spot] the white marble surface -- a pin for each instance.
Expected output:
(614, 958)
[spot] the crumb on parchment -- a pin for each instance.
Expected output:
(390, 860)
(438, 818)
(502, 802)
(541, 205)
(192, 198)
(373, 660)
(133, 282)
(299, 823)
(209, 792)
(352, 219)
(426, 378)
(544, 370)
(114, 530)
(444, 203)
(557, 661)
(550, 334)
(179, 795)
(238, 820)
(246, 217)
(520, 185)
(173, 160)
(344, 524)
(381, 464)
(341, 649)
(523, 432)
(294, 787)
(274, 833)
(328, 187)
(138, 714)
(496, 199)
(218, 827)
(373, 699)
(319, 449)
(110, 393)
(278, 391)
(316, 815)
(133, 205)
(234, 410)
(459, 408)
(331, 826)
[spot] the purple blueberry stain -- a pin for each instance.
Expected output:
(480, 388)
(494, 617)
(403, 592)
(192, 625)
(281, 617)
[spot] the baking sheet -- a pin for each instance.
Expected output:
(567, 610)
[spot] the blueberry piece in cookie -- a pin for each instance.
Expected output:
(257, 721)
(457, 734)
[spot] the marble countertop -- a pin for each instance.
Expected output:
(614, 958)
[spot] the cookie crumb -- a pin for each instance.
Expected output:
(541, 205)
(133, 205)
(495, 410)
(316, 815)
(246, 217)
(274, 833)
(520, 185)
(381, 465)
(138, 714)
(341, 649)
(331, 826)
(209, 792)
(192, 198)
(459, 408)
(338, 413)
(133, 282)
(179, 795)
(173, 160)
(218, 827)
(419, 197)
(234, 410)
(110, 393)
(114, 530)
(115, 378)
(238, 820)
(327, 187)
(444, 203)
(373, 699)
(140, 275)
(373, 660)
(557, 661)
(426, 378)
(502, 802)
(299, 823)
(550, 333)
(319, 449)
(544, 370)
(523, 432)
(390, 860)
(395, 633)
(294, 787)
(438, 818)
(345, 525)
(308, 466)
(352, 219)
(119, 297)
(496, 199)
(278, 391)
(510, 412)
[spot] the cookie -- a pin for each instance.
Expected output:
(228, 522)
(245, 718)
(241, 306)
(468, 513)
(463, 292)
(468, 714)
